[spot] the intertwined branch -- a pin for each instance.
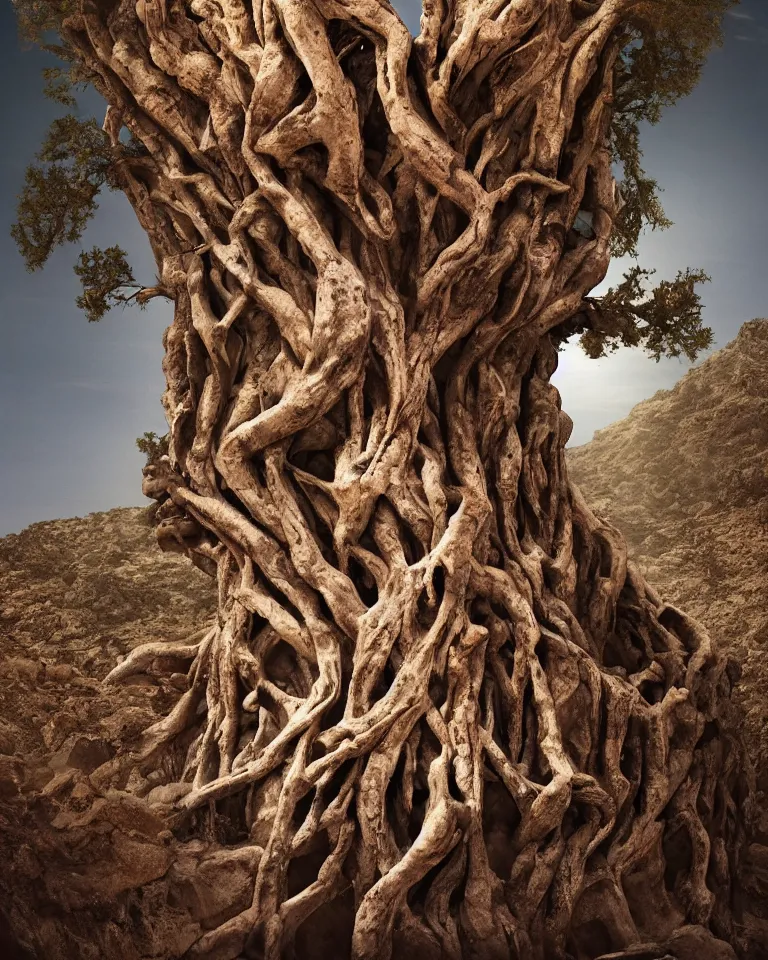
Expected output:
(433, 668)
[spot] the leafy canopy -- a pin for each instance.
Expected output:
(153, 447)
(106, 277)
(666, 43)
(664, 46)
(60, 190)
(665, 323)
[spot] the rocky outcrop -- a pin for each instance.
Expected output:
(89, 876)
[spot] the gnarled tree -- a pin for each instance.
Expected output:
(437, 696)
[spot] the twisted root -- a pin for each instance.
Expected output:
(434, 677)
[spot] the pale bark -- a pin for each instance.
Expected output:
(433, 668)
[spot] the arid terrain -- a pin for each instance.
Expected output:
(684, 476)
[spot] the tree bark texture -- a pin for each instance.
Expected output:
(437, 696)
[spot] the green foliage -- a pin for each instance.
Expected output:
(642, 206)
(39, 23)
(60, 191)
(106, 277)
(666, 322)
(665, 47)
(59, 198)
(53, 209)
(58, 86)
(153, 447)
(38, 18)
(82, 145)
(666, 43)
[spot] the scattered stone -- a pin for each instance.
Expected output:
(11, 776)
(217, 887)
(22, 669)
(57, 783)
(168, 794)
(8, 742)
(60, 672)
(88, 753)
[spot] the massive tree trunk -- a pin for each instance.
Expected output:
(437, 694)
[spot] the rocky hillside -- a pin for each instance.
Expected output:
(83, 879)
(75, 596)
(685, 477)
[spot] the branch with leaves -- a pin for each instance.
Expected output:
(153, 447)
(59, 199)
(107, 281)
(665, 321)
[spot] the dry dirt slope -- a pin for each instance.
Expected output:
(685, 477)
(74, 596)
(87, 877)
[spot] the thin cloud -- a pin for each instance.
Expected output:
(738, 15)
(87, 385)
(763, 40)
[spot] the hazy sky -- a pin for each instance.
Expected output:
(74, 396)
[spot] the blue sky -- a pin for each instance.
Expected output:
(74, 396)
